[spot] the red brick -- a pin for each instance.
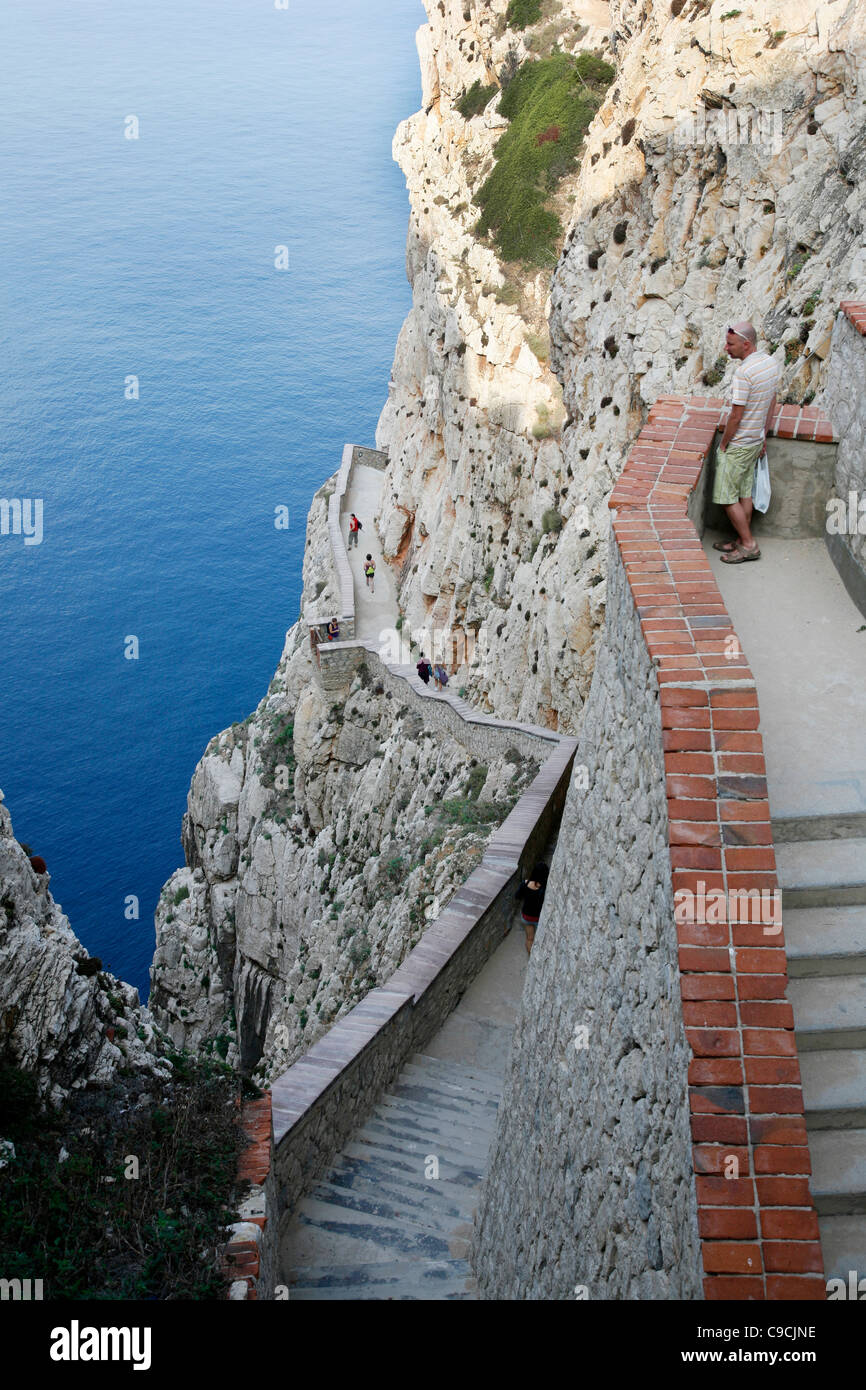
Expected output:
(716, 1100)
(687, 811)
(736, 720)
(778, 1129)
(686, 740)
(719, 1129)
(691, 764)
(741, 858)
(715, 1071)
(702, 789)
(734, 699)
(744, 810)
(790, 1286)
(700, 958)
(793, 1257)
(769, 961)
(775, 1014)
(708, 1013)
(737, 1223)
(781, 1158)
(762, 986)
(717, 1042)
(697, 831)
(716, 1158)
(702, 934)
(745, 833)
(728, 1192)
(695, 857)
(731, 1257)
(800, 1223)
(782, 1192)
(768, 1042)
(722, 1288)
(684, 697)
(679, 718)
(776, 1100)
(707, 986)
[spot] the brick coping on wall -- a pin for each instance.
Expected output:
(855, 311)
(241, 1255)
(759, 1231)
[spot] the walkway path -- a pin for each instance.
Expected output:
(374, 613)
(806, 644)
(380, 1225)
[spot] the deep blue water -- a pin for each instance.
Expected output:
(154, 257)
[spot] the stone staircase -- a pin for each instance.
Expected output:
(379, 1225)
(821, 864)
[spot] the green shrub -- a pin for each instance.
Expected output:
(473, 101)
(508, 294)
(488, 577)
(475, 781)
(521, 13)
(714, 375)
(549, 104)
(180, 895)
(551, 521)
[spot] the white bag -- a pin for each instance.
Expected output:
(761, 489)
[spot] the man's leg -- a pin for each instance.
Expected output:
(529, 928)
(740, 515)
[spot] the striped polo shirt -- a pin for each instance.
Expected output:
(755, 385)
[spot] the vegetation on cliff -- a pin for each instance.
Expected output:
(127, 1192)
(549, 104)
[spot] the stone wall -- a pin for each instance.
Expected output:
(596, 1188)
(845, 401)
(595, 1134)
(325, 1095)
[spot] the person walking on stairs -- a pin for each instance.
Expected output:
(753, 395)
(354, 529)
(531, 893)
(424, 669)
(370, 572)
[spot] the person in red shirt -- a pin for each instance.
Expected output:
(354, 528)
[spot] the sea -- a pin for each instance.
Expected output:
(202, 280)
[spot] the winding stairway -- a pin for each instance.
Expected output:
(392, 1218)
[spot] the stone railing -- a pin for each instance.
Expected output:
(325, 1095)
(845, 399)
(759, 1230)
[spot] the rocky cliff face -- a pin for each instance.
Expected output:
(723, 178)
(62, 1017)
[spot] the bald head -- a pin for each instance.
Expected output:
(741, 339)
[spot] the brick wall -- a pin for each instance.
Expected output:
(249, 1258)
(760, 1231)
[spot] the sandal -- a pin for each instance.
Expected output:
(739, 556)
(726, 546)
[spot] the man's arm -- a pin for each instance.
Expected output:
(733, 425)
(770, 409)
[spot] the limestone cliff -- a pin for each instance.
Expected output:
(321, 836)
(62, 1017)
(722, 178)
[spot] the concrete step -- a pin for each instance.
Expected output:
(397, 1279)
(834, 1088)
(323, 1230)
(822, 873)
(407, 1161)
(456, 1145)
(841, 826)
(821, 862)
(825, 940)
(484, 1079)
(843, 1243)
(425, 1213)
(838, 1171)
(829, 1012)
(449, 1103)
(476, 1123)
(370, 1180)
(448, 1082)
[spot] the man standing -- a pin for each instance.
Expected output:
(753, 396)
(354, 528)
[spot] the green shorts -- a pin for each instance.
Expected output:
(735, 472)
